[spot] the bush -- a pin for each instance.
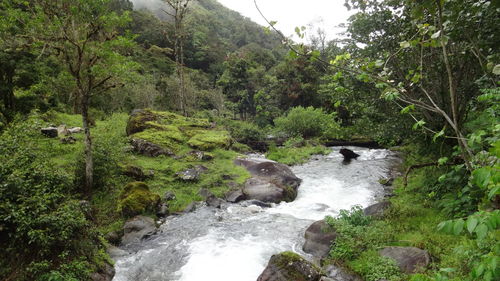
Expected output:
(243, 132)
(307, 123)
(43, 228)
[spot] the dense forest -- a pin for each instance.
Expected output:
(105, 107)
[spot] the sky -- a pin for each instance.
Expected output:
(326, 14)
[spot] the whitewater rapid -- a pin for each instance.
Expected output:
(236, 241)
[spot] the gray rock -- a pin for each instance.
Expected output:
(270, 182)
(104, 274)
(319, 237)
(377, 210)
(200, 155)
(190, 208)
(68, 140)
(235, 196)
(409, 259)
(115, 252)
(192, 174)
(148, 148)
(137, 229)
(62, 130)
(50, 132)
(210, 198)
(134, 172)
(169, 196)
(289, 266)
(114, 237)
(162, 210)
(75, 130)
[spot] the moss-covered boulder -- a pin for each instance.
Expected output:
(138, 121)
(136, 199)
(290, 266)
(208, 140)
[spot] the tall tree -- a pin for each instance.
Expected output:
(178, 10)
(84, 34)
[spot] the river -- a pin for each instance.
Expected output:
(236, 241)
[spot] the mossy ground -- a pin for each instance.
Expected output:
(113, 149)
(296, 155)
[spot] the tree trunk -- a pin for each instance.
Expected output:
(89, 164)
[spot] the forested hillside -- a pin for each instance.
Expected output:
(112, 109)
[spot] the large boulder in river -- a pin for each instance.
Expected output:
(270, 181)
(289, 266)
(319, 237)
(137, 229)
(408, 259)
(348, 154)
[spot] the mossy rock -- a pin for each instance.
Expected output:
(290, 266)
(136, 199)
(170, 139)
(139, 121)
(208, 140)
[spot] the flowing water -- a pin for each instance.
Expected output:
(236, 241)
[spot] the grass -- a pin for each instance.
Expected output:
(295, 155)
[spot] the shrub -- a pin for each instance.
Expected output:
(243, 132)
(43, 227)
(307, 122)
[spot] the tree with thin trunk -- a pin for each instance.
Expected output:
(178, 10)
(84, 35)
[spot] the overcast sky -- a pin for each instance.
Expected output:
(326, 14)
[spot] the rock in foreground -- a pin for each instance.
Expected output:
(289, 266)
(137, 229)
(408, 259)
(319, 237)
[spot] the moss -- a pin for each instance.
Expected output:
(297, 269)
(139, 121)
(208, 140)
(169, 140)
(137, 199)
(295, 155)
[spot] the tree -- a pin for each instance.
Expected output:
(84, 34)
(178, 11)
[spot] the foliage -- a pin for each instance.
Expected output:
(44, 225)
(307, 122)
(290, 155)
(374, 267)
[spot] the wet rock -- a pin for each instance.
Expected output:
(377, 210)
(137, 229)
(348, 154)
(162, 210)
(409, 259)
(190, 208)
(235, 196)
(192, 174)
(148, 148)
(340, 274)
(104, 274)
(386, 181)
(50, 132)
(289, 266)
(115, 252)
(169, 196)
(210, 198)
(270, 182)
(319, 237)
(68, 140)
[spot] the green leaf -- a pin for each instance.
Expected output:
(438, 135)
(494, 191)
(273, 23)
(408, 109)
(419, 124)
(496, 69)
(481, 231)
(404, 44)
(458, 226)
(481, 177)
(443, 160)
(471, 224)
(337, 104)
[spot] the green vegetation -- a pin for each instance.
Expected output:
(295, 155)
(136, 199)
